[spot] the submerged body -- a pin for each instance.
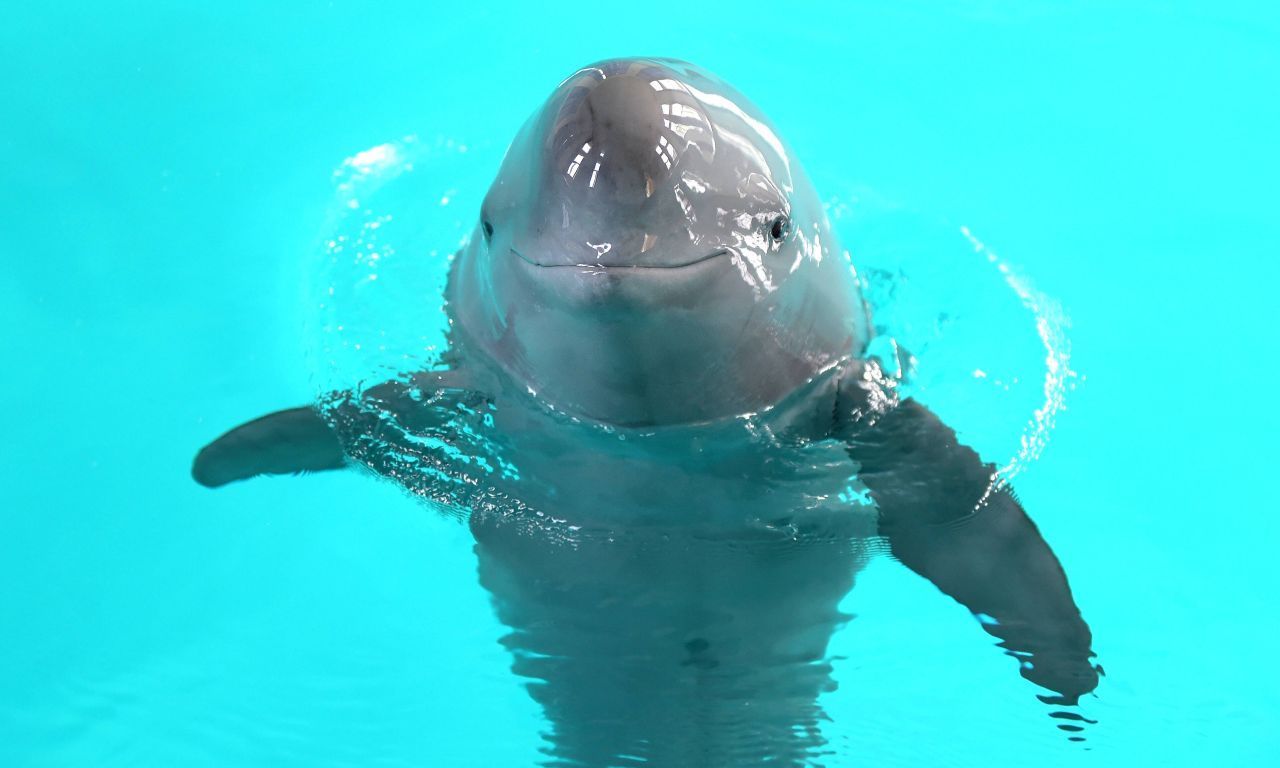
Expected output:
(679, 605)
(674, 456)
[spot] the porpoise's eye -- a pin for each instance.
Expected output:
(780, 227)
(487, 226)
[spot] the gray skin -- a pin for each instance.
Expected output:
(672, 450)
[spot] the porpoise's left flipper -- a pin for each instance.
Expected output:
(280, 443)
(945, 520)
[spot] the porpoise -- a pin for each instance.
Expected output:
(659, 413)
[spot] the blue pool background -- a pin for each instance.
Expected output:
(166, 172)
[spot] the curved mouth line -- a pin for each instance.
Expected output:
(611, 267)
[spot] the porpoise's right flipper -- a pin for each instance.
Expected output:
(300, 440)
(280, 443)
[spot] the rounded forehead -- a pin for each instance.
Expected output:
(698, 121)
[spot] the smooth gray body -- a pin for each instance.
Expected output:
(673, 454)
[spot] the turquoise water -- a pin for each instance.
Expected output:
(167, 183)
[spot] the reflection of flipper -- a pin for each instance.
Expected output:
(945, 521)
(281, 443)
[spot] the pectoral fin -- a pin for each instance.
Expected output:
(945, 519)
(280, 443)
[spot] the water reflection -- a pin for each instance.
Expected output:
(670, 650)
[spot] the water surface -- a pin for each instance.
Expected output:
(166, 187)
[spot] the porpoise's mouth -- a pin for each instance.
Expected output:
(596, 265)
